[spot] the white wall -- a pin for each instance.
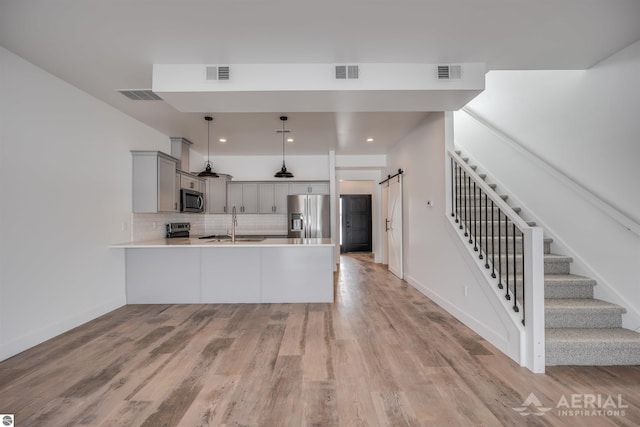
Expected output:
(584, 124)
(262, 168)
(436, 261)
(65, 196)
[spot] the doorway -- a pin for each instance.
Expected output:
(355, 223)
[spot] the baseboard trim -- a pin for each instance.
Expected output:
(22, 343)
(497, 339)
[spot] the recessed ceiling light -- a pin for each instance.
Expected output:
(289, 139)
(369, 139)
(222, 140)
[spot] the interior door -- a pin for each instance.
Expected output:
(356, 223)
(394, 227)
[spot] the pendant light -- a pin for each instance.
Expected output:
(283, 173)
(208, 171)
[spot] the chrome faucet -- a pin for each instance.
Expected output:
(234, 224)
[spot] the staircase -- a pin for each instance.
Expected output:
(579, 329)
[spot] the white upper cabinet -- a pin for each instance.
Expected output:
(272, 197)
(242, 195)
(154, 182)
(217, 195)
(266, 197)
(192, 182)
(313, 187)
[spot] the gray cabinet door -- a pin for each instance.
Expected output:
(167, 201)
(266, 192)
(216, 195)
(281, 191)
(244, 196)
(234, 196)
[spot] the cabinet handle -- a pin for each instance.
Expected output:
(192, 184)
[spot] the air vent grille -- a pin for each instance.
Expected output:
(140, 95)
(449, 72)
(347, 72)
(217, 72)
(223, 73)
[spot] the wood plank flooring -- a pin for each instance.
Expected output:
(382, 355)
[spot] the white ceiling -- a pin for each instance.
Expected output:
(103, 46)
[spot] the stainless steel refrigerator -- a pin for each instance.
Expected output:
(309, 215)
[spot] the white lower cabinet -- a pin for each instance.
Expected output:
(229, 276)
(296, 274)
(152, 276)
(257, 274)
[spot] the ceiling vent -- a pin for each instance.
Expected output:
(217, 72)
(449, 72)
(347, 72)
(140, 95)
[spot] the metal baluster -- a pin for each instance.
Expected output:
(466, 205)
(515, 281)
(500, 249)
(458, 189)
(493, 241)
(523, 277)
(471, 208)
(506, 253)
(475, 217)
(486, 231)
(480, 222)
(453, 197)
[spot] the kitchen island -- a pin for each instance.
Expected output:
(190, 270)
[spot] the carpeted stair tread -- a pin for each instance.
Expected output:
(568, 286)
(568, 279)
(583, 304)
(557, 335)
(592, 347)
(581, 313)
(557, 258)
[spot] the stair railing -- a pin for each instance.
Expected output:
(507, 248)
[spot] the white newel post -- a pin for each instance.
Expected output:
(534, 299)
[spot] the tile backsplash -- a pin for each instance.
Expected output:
(151, 226)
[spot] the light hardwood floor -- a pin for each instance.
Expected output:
(382, 354)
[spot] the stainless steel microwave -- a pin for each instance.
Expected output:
(191, 201)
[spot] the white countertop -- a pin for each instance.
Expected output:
(194, 242)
